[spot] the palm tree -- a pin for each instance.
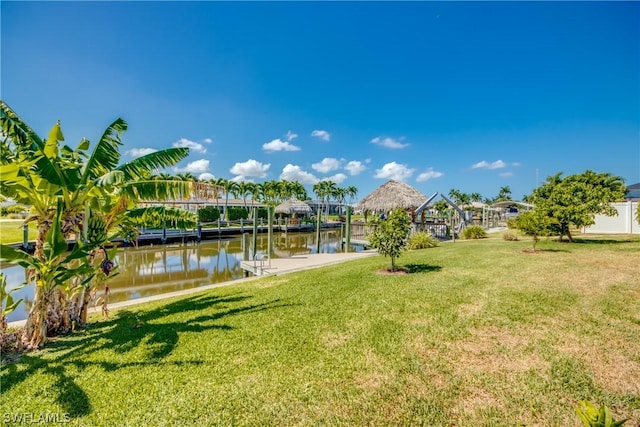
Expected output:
(504, 194)
(244, 191)
(476, 197)
(299, 191)
(340, 196)
(352, 192)
(230, 187)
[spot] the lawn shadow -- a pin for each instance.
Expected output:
(422, 268)
(581, 240)
(156, 331)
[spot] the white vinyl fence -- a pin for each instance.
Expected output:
(624, 223)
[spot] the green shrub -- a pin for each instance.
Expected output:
(422, 240)
(236, 213)
(591, 416)
(263, 213)
(208, 214)
(474, 232)
(512, 223)
(512, 237)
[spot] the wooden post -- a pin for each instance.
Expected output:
(270, 232)
(318, 218)
(348, 241)
(255, 233)
(25, 236)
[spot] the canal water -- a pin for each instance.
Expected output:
(157, 269)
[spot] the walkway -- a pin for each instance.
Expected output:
(300, 262)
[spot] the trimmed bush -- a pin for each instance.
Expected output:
(236, 213)
(474, 232)
(422, 240)
(208, 214)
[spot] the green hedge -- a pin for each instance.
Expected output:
(208, 214)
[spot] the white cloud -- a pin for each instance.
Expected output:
(429, 174)
(197, 166)
(337, 178)
(516, 164)
(327, 164)
(206, 176)
(139, 152)
(279, 145)
(498, 164)
(251, 168)
(322, 134)
(291, 136)
(295, 173)
(191, 145)
(355, 167)
(207, 140)
(506, 174)
(240, 178)
(389, 142)
(394, 171)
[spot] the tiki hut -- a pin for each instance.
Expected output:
(293, 206)
(391, 195)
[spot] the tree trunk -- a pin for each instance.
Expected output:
(35, 330)
(84, 308)
(569, 235)
(393, 264)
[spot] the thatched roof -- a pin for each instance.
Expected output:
(391, 195)
(293, 206)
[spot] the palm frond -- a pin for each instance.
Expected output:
(105, 155)
(143, 166)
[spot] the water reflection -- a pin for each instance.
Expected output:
(158, 269)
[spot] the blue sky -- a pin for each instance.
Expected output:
(465, 95)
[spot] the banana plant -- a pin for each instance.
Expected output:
(56, 268)
(67, 183)
(591, 416)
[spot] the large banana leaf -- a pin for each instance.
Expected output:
(105, 155)
(154, 214)
(29, 143)
(142, 167)
(157, 189)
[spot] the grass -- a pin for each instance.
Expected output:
(480, 333)
(11, 231)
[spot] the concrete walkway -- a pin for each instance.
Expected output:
(300, 262)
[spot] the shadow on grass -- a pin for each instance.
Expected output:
(422, 268)
(154, 331)
(600, 241)
(553, 250)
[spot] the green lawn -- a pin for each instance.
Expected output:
(479, 333)
(11, 231)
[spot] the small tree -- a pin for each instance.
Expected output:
(576, 199)
(391, 236)
(533, 223)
